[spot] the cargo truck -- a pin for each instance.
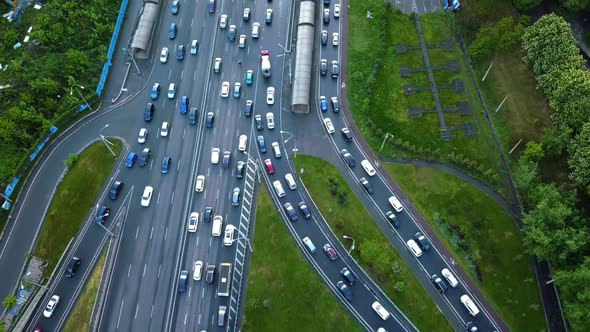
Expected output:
(265, 63)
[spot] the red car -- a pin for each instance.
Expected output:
(269, 167)
(331, 252)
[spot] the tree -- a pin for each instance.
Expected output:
(526, 4)
(551, 230)
(549, 45)
(526, 174)
(576, 5)
(579, 157)
(555, 139)
(374, 253)
(574, 284)
(503, 35)
(570, 97)
(9, 302)
(533, 151)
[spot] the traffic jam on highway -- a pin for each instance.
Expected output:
(356, 291)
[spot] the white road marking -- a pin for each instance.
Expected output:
(129, 271)
(158, 200)
(137, 232)
(151, 163)
(172, 199)
(183, 132)
(181, 73)
(144, 267)
(120, 310)
(202, 296)
(185, 316)
(151, 233)
(159, 269)
(169, 74)
(152, 312)
(166, 234)
(136, 309)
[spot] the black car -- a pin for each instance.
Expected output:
(347, 275)
(102, 213)
(249, 106)
(240, 169)
(182, 281)
(326, 16)
(210, 273)
(347, 134)
(348, 159)
(304, 209)
(148, 112)
(115, 189)
(335, 69)
(226, 158)
(180, 52)
(324, 38)
(210, 119)
(368, 187)
(192, 116)
(439, 283)
(392, 218)
(258, 120)
(323, 67)
(208, 215)
(344, 290)
(144, 157)
(422, 241)
(290, 211)
(72, 267)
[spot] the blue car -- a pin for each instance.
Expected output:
(323, 104)
(155, 91)
(175, 7)
(166, 164)
(172, 31)
(235, 197)
(184, 104)
(131, 159)
(261, 144)
(249, 77)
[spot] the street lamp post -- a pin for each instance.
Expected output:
(353, 241)
(294, 150)
(79, 93)
(30, 281)
(101, 225)
(106, 142)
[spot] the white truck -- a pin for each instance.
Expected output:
(224, 286)
(265, 63)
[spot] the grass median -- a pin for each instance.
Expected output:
(346, 215)
(483, 236)
(74, 198)
(79, 319)
(284, 292)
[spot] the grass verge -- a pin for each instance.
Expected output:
(79, 319)
(73, 199)
(483, 236)
(346, 215)
(282, 285)
(377, 99)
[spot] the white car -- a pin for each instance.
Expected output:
(171, 91)
(50, 308)
(164, 129)
(279, 188)
(270, 95)
(164, 55)
(194, 46)
(243, 142)
(193, 222)
(329, 126)
(255, 30)
(215, 155)
(228, 236)
(335, 39)
(382, 312)
(368, 167)
(276, 149)
(198, 270)
(223, 21)
(270, 120)
(450, 277)
(142, 136)
(242, 41)
(336, 10)
(414, 248)
(290, 181)
(200, 184)
(146, 198)
(225, 89)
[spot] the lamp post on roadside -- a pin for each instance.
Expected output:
(353, 241)
(79, 93)
(24, 278)
(100, 223)
(287, 140)
(106, 142)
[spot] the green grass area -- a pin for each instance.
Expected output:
(379, 104)
(73, 200)
(284, 292)
(79, 319)
(483, 236)
(346, 215)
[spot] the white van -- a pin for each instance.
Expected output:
(279, 188)
(255, 30)
(413, 246)
(396, 204)
(469, 305)
(368, 167)
(217, 225)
